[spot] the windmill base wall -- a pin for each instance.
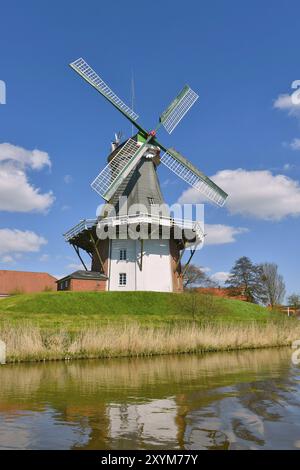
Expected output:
(151, 271)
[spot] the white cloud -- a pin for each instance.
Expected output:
(75, 266)
(44, 258)
(7, 259)
(35, 159)
(220, 277)
(59, 276)
(218, 234)
(16, 192)
(68, 179)
(205, 269)
(13, 242)
(285, 102)
(258, 194)
(168, 182)
(290, 104)
(18, 195)
(295, 144)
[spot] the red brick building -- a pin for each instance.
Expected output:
(83, 281)
(24, 281)
(225, 292)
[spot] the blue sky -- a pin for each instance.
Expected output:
(241, 57)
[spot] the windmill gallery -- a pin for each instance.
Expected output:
(127, 242)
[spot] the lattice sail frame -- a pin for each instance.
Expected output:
(82, 68)
(108, 181)
(191, 175)
(110, 178)
(178, 108)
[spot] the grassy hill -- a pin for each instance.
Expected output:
(60, 325)
(72, 310)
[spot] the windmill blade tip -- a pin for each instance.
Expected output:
(76, 60)
(222, 204)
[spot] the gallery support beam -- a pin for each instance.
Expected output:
(140, 263)
(76, 248)
(179, 259)
(188, 261)
(97, 251)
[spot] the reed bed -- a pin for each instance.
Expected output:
(26, 342)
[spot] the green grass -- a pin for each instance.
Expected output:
(73, 310)
(56, 325)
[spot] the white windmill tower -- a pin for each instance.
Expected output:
(139, 256)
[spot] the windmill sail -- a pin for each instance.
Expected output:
(191, 175)
(83, 69)
(110, 178)
(125, 160)
(178, 109)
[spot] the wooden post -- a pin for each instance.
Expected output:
(2, 352)
(97, 251)
(179, 259)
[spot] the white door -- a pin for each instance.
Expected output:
(122, 265)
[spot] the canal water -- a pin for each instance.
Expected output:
(236, 400)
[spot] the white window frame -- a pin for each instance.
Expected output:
(123, 254)
(122, 279)
(151, 201)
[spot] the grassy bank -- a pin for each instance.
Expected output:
(31, 343)
(74, 310)
(59, 325)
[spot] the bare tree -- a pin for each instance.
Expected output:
(273, 284)
(197, 305)
(294, 301)
(194, 276)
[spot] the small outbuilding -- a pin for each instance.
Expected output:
(83, 281)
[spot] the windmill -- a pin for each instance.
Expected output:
(131, 175)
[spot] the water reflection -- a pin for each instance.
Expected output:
(234, 400)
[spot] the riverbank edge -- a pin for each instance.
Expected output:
(32, 344)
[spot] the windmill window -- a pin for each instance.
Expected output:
(123, 255)
(122, 279)
(151, 201)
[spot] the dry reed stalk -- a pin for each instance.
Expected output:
(27, 342)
